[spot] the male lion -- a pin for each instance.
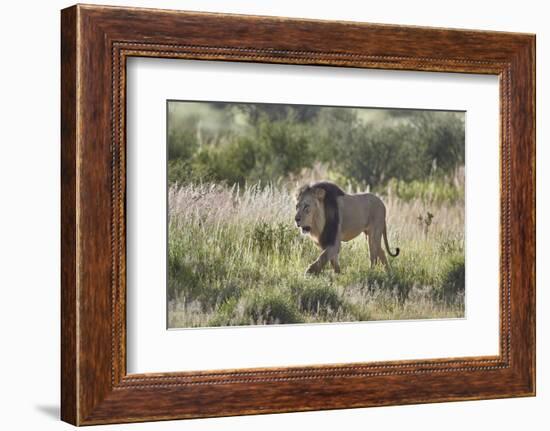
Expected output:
(330, 216)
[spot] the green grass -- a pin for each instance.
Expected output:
(235, 258)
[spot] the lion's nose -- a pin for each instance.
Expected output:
(297, 218)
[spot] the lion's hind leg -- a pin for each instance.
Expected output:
(372, 255)
(335, 264)
(375, 248)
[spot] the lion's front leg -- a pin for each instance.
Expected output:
(317, 266)
(329, 253)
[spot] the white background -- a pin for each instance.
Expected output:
(151, 348)
(29, 216)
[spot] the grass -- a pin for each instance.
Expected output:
(235, 258)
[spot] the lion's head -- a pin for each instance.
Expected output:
(310, 211)
(317, 211)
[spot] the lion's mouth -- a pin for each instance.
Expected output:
(306, 229)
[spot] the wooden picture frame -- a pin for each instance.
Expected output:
(95, 43)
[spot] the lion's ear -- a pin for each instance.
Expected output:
(301, 192)
(319, 193)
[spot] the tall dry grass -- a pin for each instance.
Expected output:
(235, 258)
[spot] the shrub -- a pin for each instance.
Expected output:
(416, 149)
(376, 154)
(284, 148)
(257, 308)
(431, 190)
(268, 307)
(319, 299)
(225, 314)
(182, 142)
(276, 237)
(247, 143)
(453, 280)
(274, 150)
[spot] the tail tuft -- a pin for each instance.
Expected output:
(385, 235)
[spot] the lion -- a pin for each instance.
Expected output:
(329, 216)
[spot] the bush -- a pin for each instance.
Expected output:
(376, 154)
(443, 137)
(276, 150)
(269, 307)
(274, 238)
(318, 299)
(278, 141)
(284, 147)
(182, 142)
(453, 280)
(417, 147)
(432, 190)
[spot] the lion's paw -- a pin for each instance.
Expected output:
(313, 269)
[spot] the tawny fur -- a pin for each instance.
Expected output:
(356, 214)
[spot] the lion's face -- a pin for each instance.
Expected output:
(309, 211)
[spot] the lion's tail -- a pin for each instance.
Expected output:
(388, 246)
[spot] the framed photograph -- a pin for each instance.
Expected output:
(264, 214)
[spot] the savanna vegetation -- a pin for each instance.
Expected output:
(234, 255)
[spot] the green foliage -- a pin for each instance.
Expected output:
(409, 148)
(405, 152)
(443, 139)
(283, 149)
(257, 112)
(271, 307)
(453, 279)
(275, 150)
(374, 155)
(257, 307)
(231, 163)
(432, 190)
(317, 299)
(274, 238)
(182, 143)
